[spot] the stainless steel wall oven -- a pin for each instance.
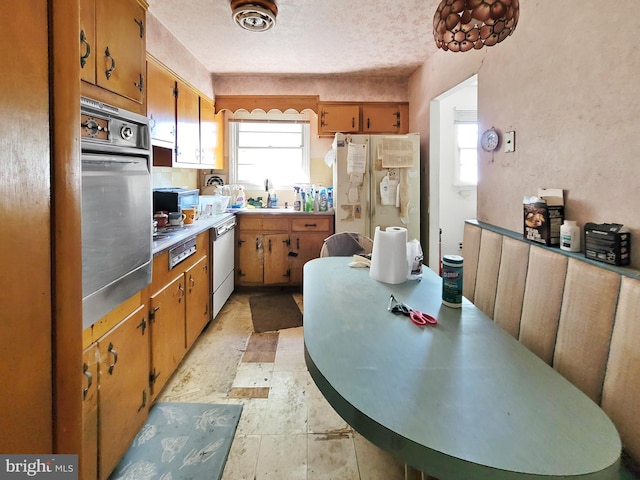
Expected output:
(117, 231)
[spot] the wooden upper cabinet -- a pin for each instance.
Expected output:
(112, 52)
(88, 40)
(120, 42)
(367, 118)
(334, 118)
(381, 118)
(188, 125)
(161, 105)
(210, 135)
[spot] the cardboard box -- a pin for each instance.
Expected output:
(543, 216)
(608, 243)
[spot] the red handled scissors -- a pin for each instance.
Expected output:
(416, 316)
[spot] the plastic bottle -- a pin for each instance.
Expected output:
(310, 201)
(452, 280)
(322, 202)
(570, 236)
(297, 200)
(329, 198)
(240, 199)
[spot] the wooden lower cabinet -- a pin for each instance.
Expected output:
(123, 380)
(198, 308)
(273, 248)
(167, 324)
(89, 459)
(179, 308)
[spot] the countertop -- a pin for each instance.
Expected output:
(276, 210)
(166, 240)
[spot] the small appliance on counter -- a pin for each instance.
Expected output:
(173, 199)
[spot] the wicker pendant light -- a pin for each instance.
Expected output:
(460, 25)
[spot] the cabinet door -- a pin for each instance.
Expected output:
(161, 106)
(123, 378)
(120, 56)
(209, 126)
(88, 40)
(381, 119)
(188, 126)
(249, 258)
(305, 247)
(89, 459)
(339, 118)
(167, 332)
(276, 259)
(198, 299)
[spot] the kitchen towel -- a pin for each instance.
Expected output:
(389, 257)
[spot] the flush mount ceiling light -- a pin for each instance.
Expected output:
(254, 15)
(460, 25)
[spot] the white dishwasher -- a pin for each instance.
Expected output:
(222, 277)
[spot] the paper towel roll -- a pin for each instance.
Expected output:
(389, 256)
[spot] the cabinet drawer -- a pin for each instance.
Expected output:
(310, 224)
(264, 223)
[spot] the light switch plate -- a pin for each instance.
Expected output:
(509, 142)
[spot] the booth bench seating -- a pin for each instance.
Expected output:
(580, 316)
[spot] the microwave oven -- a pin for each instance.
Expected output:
(174, 199)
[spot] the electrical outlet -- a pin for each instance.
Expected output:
(509, 142)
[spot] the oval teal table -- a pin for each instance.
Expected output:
(461, 400)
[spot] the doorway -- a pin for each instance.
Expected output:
(451, 201)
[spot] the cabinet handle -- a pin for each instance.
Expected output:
(142, 325)
(113, 63)
(368, 123)
(115, 357)
(353, 122)
(144, 400)
(397, 125)
(310, 224)
(87, 50)
(141, 25)
(269, 245)
(152, 123)
(192, 282)
(140, 85)
(86, 373)
(322, 122)
(181, 289)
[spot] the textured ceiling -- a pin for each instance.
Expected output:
(311, 37)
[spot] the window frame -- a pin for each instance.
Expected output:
(233, 136)
(463, 117)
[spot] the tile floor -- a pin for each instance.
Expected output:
(287, 430)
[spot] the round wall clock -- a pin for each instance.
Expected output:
(489, 140)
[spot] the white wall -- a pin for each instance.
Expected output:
(455, 204)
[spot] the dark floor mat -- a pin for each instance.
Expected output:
(270, 312)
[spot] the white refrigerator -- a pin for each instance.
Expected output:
(376, 182)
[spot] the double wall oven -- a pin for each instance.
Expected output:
(117, 206)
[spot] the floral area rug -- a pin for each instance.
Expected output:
(181, 441)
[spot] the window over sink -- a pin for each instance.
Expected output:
(274, 146)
